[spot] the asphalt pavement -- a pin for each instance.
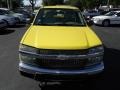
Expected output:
(10, 79)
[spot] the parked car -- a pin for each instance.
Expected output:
(103, 12)
(109, 18)
(27, 14)
(8, 19)
(19, 17)
(59, 45)
(88, 14)
(3, 24)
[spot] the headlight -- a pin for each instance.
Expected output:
(96, 50)
(88, 17)
(26, 59)
(28, 49)
(96, 59)
(24, 56)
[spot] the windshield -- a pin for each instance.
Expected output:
(61, 17)
(110, 13)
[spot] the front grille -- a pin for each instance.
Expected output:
(56, 63)
(60, 64)
(63, 52)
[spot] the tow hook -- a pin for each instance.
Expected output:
(41, 84)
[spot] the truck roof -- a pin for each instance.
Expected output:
(61, 7)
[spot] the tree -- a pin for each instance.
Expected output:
(3, 3)
(33, 2)
(16, 4)
(82, 4)
(53, 2)
(114, 2)
(12, 4)
(78, 3)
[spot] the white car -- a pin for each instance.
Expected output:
(110, 18)
(19, 17)
(3, 24)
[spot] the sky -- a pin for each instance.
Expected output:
(26, 2)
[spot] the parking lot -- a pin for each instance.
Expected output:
(10, 78)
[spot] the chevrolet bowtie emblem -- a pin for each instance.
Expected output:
(62, 57)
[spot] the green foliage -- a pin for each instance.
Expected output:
(52, 2)
(14, 3)
(115, 2)
(79, 3)
(92, 3)
(84, 3)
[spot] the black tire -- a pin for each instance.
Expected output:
(106, 23)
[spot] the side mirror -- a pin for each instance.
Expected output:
(31, 23)
(89, 22)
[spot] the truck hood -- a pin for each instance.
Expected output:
(54, 37)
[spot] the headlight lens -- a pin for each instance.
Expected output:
(26, 57)
(88, 17)
(28, 49)
(96, 50)
(98, 59)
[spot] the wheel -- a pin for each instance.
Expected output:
(106, 23)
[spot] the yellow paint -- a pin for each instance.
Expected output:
(60, 37)
(62, 6)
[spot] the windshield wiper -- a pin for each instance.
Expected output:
(73, 24)
(60, 24)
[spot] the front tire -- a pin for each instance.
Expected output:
(106, 23)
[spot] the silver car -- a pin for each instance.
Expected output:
(19, 17)
(8, 19)
(3, 24)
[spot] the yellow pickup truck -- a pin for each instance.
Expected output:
(60, 46)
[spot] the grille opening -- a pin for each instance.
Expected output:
(60, 64)
(63, 52)
(54, 63)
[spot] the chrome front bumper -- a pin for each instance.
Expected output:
(88, 70)
(35, 70)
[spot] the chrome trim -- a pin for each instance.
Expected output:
(33, 70)
(63, 56)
